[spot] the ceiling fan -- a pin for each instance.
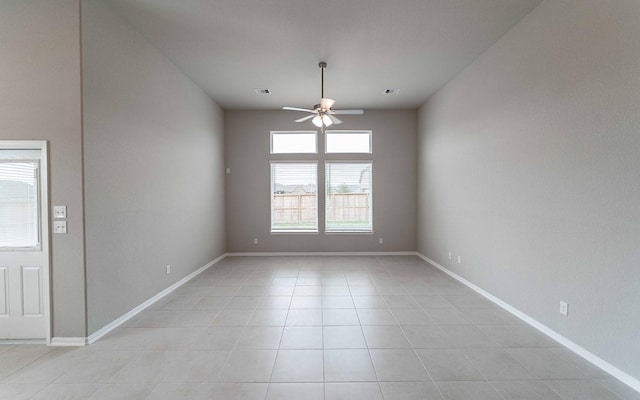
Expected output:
(322, 114)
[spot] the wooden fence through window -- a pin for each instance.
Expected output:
(294, 208)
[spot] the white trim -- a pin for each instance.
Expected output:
(579, 350)
(332, 233)
(23, 144)
(68, 341)
(46, 277)
(21, 341)
(124, 318)
(324, 253)
(283, 232)
(41, 145)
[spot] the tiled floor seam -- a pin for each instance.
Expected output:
(414, 350)
(266, 395)
(367, 344)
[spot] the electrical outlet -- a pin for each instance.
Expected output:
(59, 226)
(459, 259)
(564, 308)
(168, 269)
(59, 211)
(255, 240)
(380, 240)
(228, 171)
(450, 255)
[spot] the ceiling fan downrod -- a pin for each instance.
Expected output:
(322, 66)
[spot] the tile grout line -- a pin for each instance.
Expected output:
(413, 348)
(273, 367)
(365, 339)
(235, 344)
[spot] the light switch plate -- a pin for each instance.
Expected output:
(59, 226)
(59, 211)
(564, 308)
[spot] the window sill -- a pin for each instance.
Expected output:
(294, 232)
(21, 249)
(349, 232)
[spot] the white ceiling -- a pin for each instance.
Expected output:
(231, 47)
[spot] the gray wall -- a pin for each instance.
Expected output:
(154, 169)
(394, 182)
(529, 168)
(40, 99)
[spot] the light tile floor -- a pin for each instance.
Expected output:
(313, 328)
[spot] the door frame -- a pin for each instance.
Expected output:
(42, 146)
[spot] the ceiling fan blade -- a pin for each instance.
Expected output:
(335, 120)
(298, 109)
(326, 104)
(305, 118)
(352, 112)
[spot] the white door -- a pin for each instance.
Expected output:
(24, 276)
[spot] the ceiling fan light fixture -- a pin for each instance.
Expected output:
(326, 104)
(326, 120)
(317, 121)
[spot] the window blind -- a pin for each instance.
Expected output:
(348, 201)
(19, 225)
(294, 197)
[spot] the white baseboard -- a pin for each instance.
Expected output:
(581, 351)
(22, 341)
(68, 341)
(324, 253)
(116, 323)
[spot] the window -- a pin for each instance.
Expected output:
(294, 142)
(348, 142)
(348, 205)
(348, 198)
(294, 197)
(19, 204)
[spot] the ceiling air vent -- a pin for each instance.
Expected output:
(262, 91)
(392, 91)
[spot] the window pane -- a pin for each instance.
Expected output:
(293, 142)
(19, 204)
(294, 197)
(348, 202)
(348, 142)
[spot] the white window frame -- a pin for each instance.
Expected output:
(314, 133)
(37, 246)
(271, 197)
(326, 203)
(362, 131)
